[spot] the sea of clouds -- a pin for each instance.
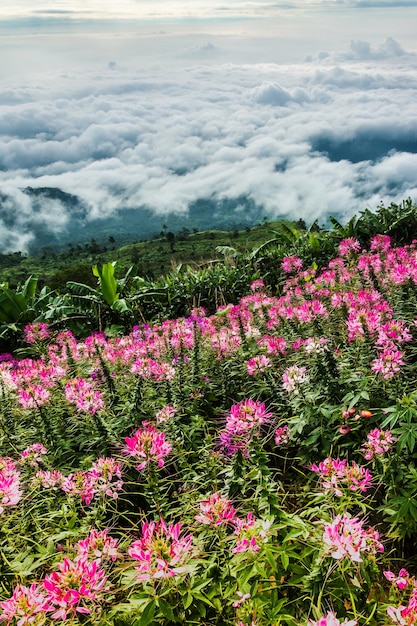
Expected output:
(333, 134)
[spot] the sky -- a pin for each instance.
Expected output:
(307, 108)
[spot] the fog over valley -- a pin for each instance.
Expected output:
(215, 114)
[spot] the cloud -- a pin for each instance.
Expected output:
(300, 140)
(276, 95)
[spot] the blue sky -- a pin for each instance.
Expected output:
(306, 107)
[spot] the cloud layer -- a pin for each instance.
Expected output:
(329, 136)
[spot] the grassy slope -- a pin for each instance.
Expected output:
(151, 258)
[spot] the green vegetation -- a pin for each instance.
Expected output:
(250, 464)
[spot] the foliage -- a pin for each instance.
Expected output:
(254, 465)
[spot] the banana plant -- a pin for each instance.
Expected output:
(102, 307)
(20, 307)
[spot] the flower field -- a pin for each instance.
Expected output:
(253, 467)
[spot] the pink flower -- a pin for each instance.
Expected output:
(242, 424)
(82, 394)
(389, 363)
(378, 442)
(36, 332)
(336, 474)
(257, 285)
(149, 445)
(74, 587)
(33, 396)
(105, 475)
(48, 479)
(331, 620)
(10, 492)
(291, 264)
(250, 533)
(258, 364)
(346, 246)
(401, 581)
(33, 454)
(346, 537)
(25, 606)
(216, 510)
(165, 414)
(98, 545)
(161, 552)
(380, 243)
(293, 377)
(282, 435)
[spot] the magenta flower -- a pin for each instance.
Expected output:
(161, 552)
(331, 620)
(250, 533)
(243, 422)
(75, 587)
(346, 246)
(282, 435)
(81, 393)
(346, 537)
(401, 581)
(148, 445)
(216, 510)
(336, 474)
(98, 546)
(291, 264)
(27, 605)
(378, 443)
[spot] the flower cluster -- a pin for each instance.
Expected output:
(250, 533)
(242, 423)
(103, 478)
(336, 473)
(216, 511)
(346, 537)
(148, 445)
(331, 620)
(10, 490)
(36, 332)
(378, 442)
(403, 615)
(161, 552)
(293, 377)
(82, 394)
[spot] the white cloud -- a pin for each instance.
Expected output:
(303, 139)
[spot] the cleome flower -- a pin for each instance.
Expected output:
(335, 474)
(74, 587)
(331, 620)
(148, 445)
(346, 537)
(161, 552)
(27, 606)
(250, 533)
(378, 442)
(98, 546)
(242, 423)
(216, 510)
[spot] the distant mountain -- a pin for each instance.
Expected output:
(69, 218)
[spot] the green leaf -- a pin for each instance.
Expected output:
(166, 609)
(285, 560)
(147, 614)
